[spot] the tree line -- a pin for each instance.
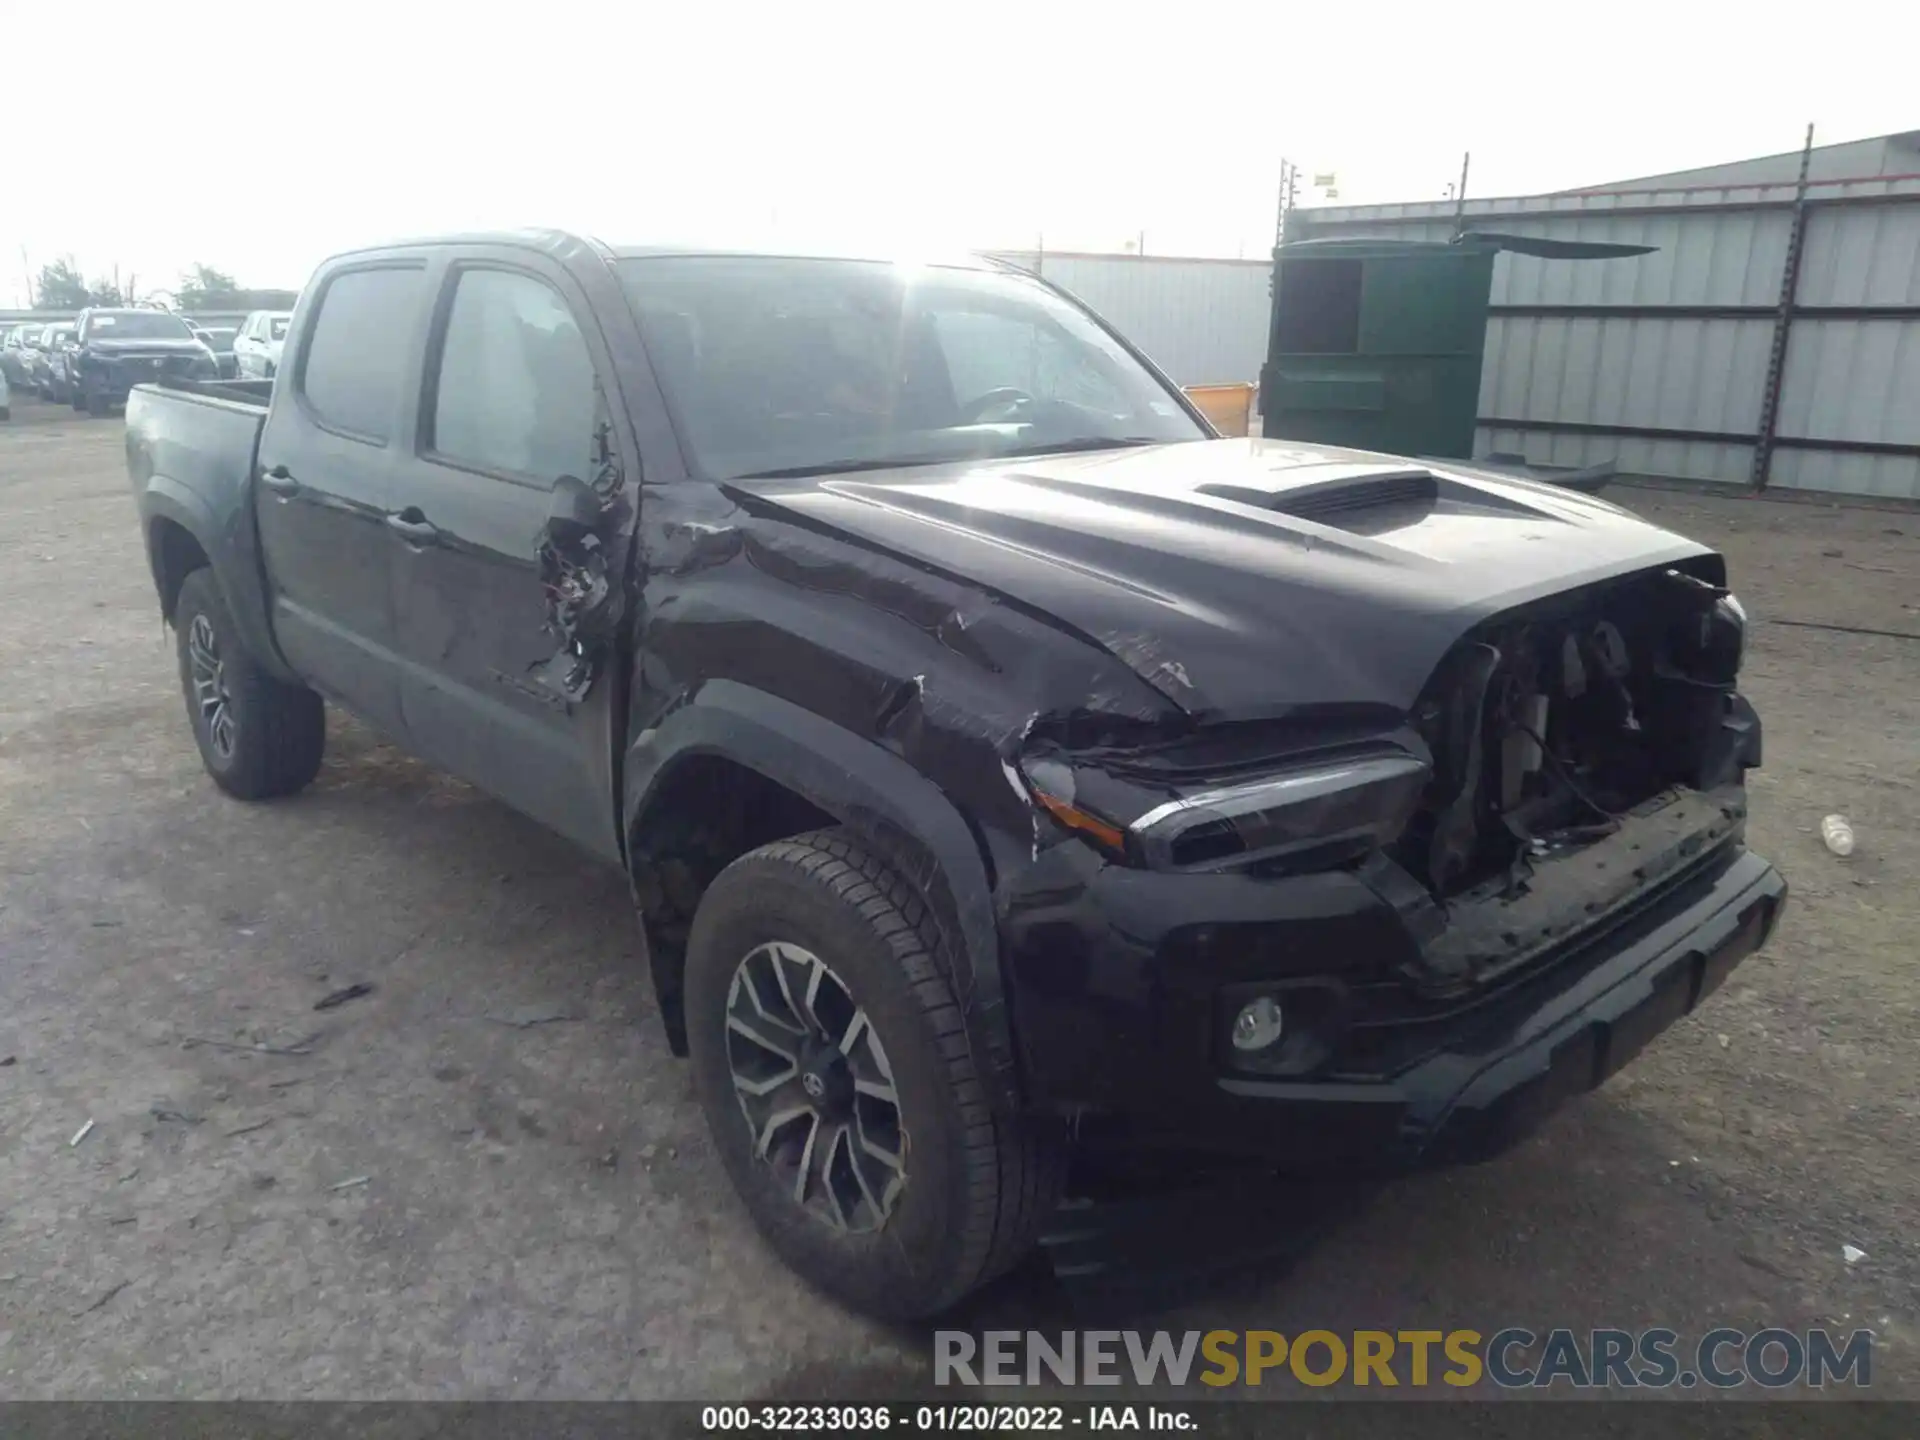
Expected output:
(61, 286)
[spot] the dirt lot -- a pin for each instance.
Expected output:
(489, 1179)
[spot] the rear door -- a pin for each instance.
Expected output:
(511, 408)
(324, 492)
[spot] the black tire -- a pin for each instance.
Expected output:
(978, 1185)
(277, 733)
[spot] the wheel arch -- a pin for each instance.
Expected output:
(790, 770)
(183, 535)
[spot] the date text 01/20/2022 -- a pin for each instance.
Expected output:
(962, 1419)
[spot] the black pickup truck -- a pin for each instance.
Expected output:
(1002, 761)
(114, 350)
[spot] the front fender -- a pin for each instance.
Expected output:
(879, 797)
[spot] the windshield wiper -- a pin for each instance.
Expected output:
(845, 467)
(907, 462)
(1086, 442)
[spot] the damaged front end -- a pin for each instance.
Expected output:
(1586, 749)
(1363, 893)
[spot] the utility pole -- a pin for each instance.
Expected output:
(1289, 193)
(1460, 197)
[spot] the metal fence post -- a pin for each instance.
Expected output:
(1782, 327)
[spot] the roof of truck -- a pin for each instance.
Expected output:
(562, 241)
(789, 251)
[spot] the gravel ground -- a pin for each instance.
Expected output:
(489, 1179)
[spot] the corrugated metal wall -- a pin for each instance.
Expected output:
(1659, 363)
(1202, 321)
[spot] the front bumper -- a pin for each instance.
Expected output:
(114, 380)
(1135, 1057)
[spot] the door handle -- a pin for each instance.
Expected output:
(279, 480)
(415, 531)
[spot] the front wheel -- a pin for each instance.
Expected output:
(833, 1066)
(259, 737)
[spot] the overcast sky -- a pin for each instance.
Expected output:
(259, 137)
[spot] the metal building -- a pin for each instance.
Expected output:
(1202, 321)
(1772, 339)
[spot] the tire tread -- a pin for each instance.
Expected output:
(1014, 1167)
(285, 725)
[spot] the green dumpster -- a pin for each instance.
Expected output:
(1377, 344)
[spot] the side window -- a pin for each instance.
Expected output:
(986, 352)
(515, 385)
(358, 347)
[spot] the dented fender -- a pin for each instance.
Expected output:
(875, 794)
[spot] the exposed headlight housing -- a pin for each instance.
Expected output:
(1318, 813)
(1334, 808)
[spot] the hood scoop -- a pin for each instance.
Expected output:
(1347, 500)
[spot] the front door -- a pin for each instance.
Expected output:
(324, 488)
(499, 686)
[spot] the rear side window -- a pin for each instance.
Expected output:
(514, 392)
(351, 374)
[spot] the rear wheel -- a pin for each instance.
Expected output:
(259, 737)
(835, 1073)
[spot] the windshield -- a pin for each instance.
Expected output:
(277, 328)
(796, 365)
(54, 334)
(137, 325)
(219, 339)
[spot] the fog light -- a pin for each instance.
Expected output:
(1258, 1025)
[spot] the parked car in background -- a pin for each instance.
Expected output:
(55, 382)
(13, 344)
(41, 347)
(113, 350)
(219, 339)
(256, 349)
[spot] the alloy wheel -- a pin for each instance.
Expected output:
(816, 1088)
(210, 686)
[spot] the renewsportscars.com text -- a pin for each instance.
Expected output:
(1510, 1358)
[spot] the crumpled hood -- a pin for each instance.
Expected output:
(1175, 559)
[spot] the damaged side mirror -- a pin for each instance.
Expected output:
(574, 512)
